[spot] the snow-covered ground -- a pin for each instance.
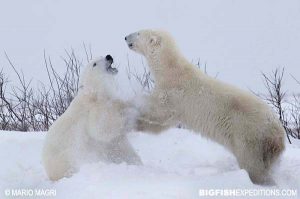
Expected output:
(177, 164)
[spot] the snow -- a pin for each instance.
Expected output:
(237, 39)
(177, 164)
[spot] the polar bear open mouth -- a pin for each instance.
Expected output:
(109, 68)
(130, 45)
(112, 70)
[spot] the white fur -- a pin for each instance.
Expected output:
(232, 117)
(92, 128)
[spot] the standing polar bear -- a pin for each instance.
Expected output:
(234, 118)
(93, 127)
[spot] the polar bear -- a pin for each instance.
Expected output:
(93, 127)
(230, 116)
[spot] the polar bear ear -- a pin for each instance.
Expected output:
(155, 40)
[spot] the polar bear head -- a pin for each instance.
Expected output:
(98, 75)
(150, 42)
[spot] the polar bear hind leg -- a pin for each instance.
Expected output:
(58, 166)
(259, 160)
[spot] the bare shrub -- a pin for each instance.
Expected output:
(28, 109)
(203, 66)
(286, 107)
(143, 78)
(24, 108)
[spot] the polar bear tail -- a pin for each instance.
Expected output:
(272, 148)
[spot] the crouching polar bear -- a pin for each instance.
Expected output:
(234, 118)
(93, 127)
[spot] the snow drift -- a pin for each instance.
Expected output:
(177, 164)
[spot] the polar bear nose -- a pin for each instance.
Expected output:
(125, 38)
(109, 58)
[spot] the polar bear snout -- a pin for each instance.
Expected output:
(109, 59)
(131, 38)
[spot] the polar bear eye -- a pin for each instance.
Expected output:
(95, 64)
